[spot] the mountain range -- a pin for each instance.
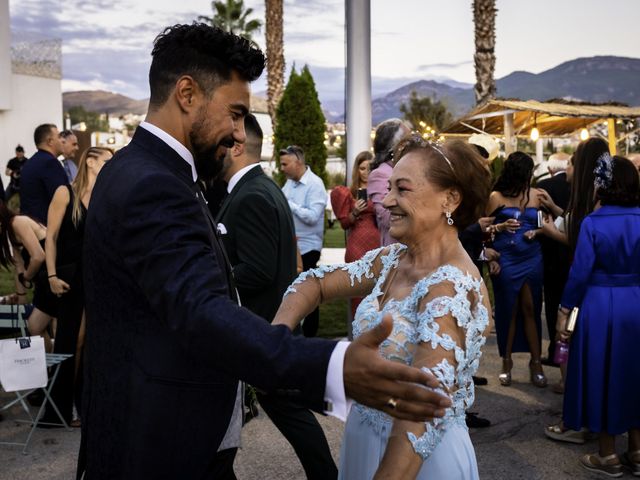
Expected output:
(593, 79)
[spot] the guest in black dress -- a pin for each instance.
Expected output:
(64, 244)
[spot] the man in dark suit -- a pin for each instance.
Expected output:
(259, 236)
(166, 343)
(42, 174)
(555, 256)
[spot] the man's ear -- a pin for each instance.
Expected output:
(237, 149)
(187, 93)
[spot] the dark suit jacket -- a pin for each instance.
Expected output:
(558, 188)
(556, 256)
(39, 179)
(260, 241)
(165, 343)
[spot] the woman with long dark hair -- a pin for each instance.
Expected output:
(603, 393)
(356, 215)
(518, 285)
(22, 247)
(64, 245)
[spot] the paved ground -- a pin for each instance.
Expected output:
(513, 448)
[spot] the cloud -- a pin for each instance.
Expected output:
(433, 66)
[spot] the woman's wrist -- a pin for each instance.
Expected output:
(53, 275)
(26, 283)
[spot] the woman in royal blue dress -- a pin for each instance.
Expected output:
(518, 286)
(603, 373)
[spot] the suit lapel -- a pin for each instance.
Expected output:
(254, 172)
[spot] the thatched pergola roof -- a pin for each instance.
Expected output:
(553, 118)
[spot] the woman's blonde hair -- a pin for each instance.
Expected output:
(81, 181)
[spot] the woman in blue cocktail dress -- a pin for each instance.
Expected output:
(517, 287)
(603, 373)
(439, 305)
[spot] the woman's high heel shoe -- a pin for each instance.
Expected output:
(505, 376)
(538, 379)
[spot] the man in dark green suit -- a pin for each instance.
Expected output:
(257, 229)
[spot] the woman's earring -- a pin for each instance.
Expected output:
(449, 219)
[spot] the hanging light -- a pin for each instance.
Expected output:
(584, 134)
(535, 133)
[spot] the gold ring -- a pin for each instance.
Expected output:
(392, 403)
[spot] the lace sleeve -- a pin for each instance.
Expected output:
(328, 282)
(450, 320)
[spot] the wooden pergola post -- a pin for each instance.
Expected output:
(509, 143)
(611, 133)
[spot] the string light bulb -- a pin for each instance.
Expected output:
(535, 134)
(584, 134)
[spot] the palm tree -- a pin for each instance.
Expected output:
(232, 17)
(275, 55)
(484, 18)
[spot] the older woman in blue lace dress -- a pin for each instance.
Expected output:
(437, 300)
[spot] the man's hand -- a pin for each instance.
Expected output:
(373, 381)
(494, 268)
(491, 254)
(485, 222)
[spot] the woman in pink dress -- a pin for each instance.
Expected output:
(356, 215)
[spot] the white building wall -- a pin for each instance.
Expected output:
(5, 56)
(34, 100)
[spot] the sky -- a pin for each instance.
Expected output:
(107, 43)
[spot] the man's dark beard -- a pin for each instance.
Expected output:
(209, 160)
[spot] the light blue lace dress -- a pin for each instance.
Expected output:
(443, 444)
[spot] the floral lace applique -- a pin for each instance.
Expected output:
(412, 327)
(357, 270)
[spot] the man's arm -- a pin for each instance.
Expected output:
(313, 210)
(166, 247)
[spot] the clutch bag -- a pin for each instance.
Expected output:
(573, 317)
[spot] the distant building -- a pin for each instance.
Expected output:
(30, 89)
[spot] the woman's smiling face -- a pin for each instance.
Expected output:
(416, 205)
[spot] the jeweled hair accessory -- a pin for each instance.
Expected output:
(603, 171)
(436, 146)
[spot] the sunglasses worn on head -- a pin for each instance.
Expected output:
(291, 150)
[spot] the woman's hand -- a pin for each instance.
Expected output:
(10, 299)
(511, 225)
(491, 254)
(548, 203)
(531, 234)
(548, 226)
(58, 287)
(494, 268)
(359, 207)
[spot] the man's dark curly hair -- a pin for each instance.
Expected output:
(625, 185)
(208, 54)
